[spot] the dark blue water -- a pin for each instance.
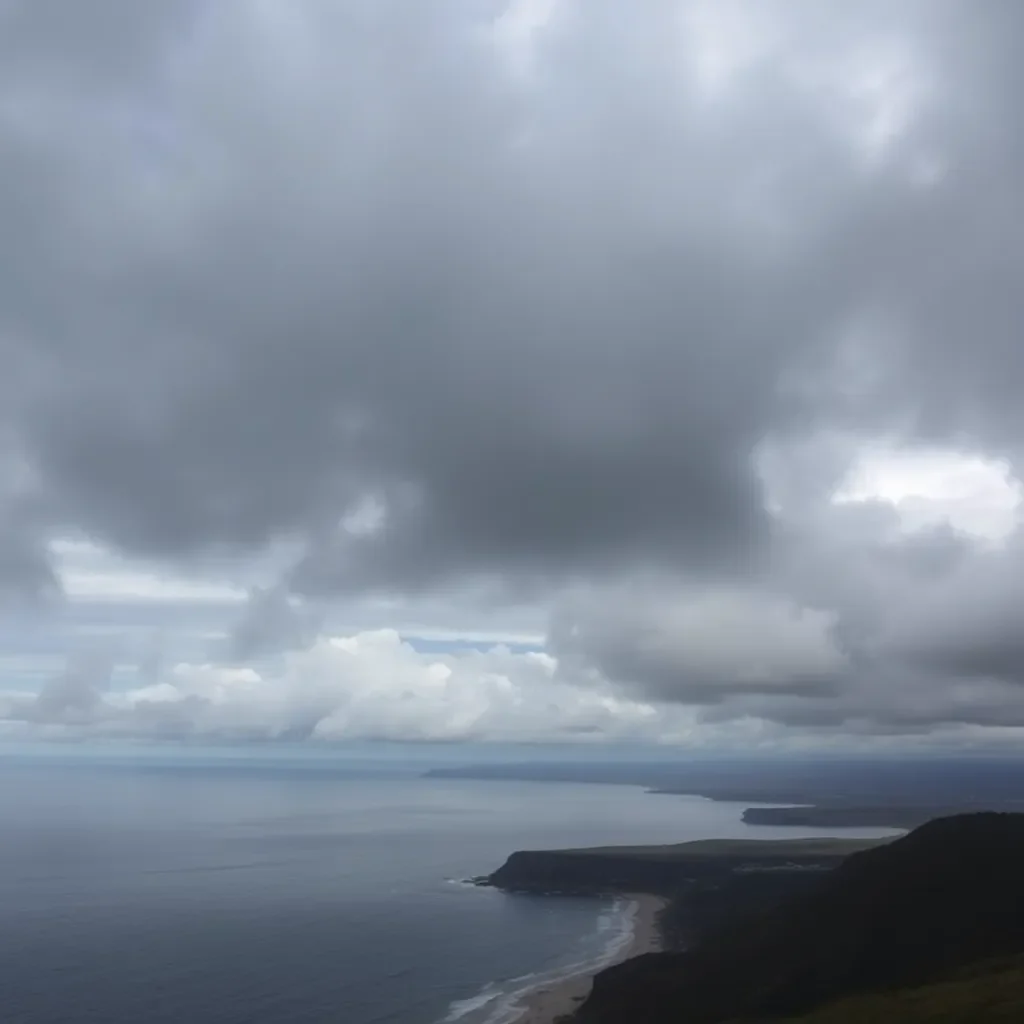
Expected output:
(268, 895)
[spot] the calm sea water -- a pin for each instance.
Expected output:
(262, 894)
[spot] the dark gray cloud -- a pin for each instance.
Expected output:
(969, 623)
(362, 281)
(541, 324)
(699, 645)
(876, 634)
(24, 564)
(271, 621)
(75, 694)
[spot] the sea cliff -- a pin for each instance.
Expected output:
(918, 911)
(664, 869)
(706, 883)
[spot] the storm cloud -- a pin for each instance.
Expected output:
(590, 307)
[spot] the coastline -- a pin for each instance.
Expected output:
(549, 1003)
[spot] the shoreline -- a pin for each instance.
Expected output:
(551, 1002)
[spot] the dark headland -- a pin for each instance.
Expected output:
(928, 927)
(704, 883)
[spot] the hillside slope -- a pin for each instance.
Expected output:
(948, 895)
(992, 993)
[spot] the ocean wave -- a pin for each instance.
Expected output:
(462, 1008)
(504, 1002)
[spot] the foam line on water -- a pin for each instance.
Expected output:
(505, 1002)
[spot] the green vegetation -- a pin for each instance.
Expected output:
(673, 869)
(739, 849)
(988, 994)
(847, 816)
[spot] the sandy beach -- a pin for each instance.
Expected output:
(546, 1005)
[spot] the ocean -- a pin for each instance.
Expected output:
(257, 892)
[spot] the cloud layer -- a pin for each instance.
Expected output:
(590, 309)
(365, 686)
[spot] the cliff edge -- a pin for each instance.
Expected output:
(910, 913)
(666, 870)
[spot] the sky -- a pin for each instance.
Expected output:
(516, 371)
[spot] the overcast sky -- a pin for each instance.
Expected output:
(545, 370)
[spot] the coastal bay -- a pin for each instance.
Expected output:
(550, 1003)
(677, 892)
